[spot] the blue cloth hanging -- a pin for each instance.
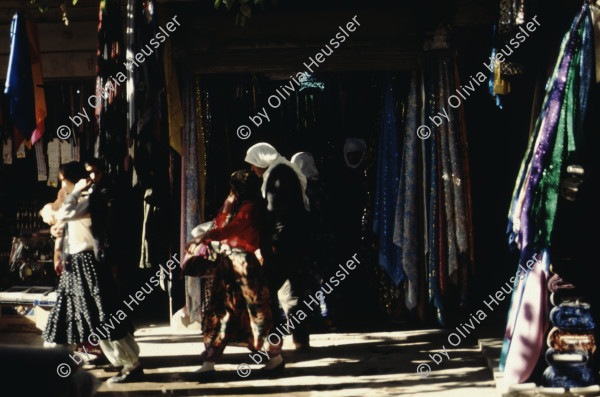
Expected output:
(19, 79)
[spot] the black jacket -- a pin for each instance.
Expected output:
(286, 216)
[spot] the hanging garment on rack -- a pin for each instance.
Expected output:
(110, 96)
(173, 99)
(38, 82)
(386, 196)
(42, 170)
(196, 111)
(533, 208)
(449, 241)
(449, 224)
(147, 135)
(405, 231)
(190, 216)
(19, 82)
(432, 190)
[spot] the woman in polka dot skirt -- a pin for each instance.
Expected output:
(86, 306)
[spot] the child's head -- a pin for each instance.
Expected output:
(245, 185)
(70, 173)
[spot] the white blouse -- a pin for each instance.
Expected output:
(75, 211)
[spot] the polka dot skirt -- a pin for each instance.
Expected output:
(85, 304)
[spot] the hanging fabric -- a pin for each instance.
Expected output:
(195, 111)
(173, 99)
(40, 158)
(110, 100)
(19, 82)
(534, 204)
(431, 182)
(203, 114)
(448, 225)
(38, 82)
(386, 196)
(405, 230)
(146, 134)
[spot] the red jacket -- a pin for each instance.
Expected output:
(241, 232)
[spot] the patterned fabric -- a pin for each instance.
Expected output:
(386, 196)
(432, 190)
(572, 317)
(405, 230)
(569, 376)
(84, 303)
(238, 313)
(512, 15)
(190, 209)
(535, 198)
(447, 220)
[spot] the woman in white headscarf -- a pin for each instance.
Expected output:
(318, 252)
(285, 234)
(263, 158)
(306, 162)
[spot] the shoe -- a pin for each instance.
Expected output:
(135, 375)
(273, 372)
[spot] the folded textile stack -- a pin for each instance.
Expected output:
(571, 342)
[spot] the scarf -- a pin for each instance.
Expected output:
(306, 162)
(263, 155)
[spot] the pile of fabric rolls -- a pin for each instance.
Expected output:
(571, 341)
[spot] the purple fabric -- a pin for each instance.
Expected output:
(545, 140)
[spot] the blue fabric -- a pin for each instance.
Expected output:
(388, 173)
(19, 79)
(568, 376)
(572, 317)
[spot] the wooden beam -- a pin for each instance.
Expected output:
(387, 39)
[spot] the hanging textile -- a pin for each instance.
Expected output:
(203, 110)
(147, 135)
(193, 168)
(512, 15)
(448, 224)
(431, 196)
(53, 151)
(462, 189)
(40, 158)
(110, 99)
(386, 195)
(173, 99)
(150, 157)
(405, 230)
(534, 204)
(5, 139)
(19, 82)
(190, 216)
(38, 82)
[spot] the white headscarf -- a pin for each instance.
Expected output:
(263, 155)
(306, 162)
(355, 145)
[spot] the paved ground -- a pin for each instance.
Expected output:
(341, 364)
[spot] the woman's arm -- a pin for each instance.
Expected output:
(73, 208)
